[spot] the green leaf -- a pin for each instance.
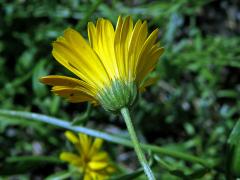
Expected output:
(199, 173)
(128, 176)
(226, 93)
(234, 138)
(59, 175)
(236, 161)
(233, 157)
(18, 165)
(108, 137)
(6, 121)
(55, 104)
(179, 172)
(38, 72)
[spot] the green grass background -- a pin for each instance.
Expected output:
(192, 107)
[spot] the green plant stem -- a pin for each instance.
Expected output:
(20, 115)
(126, 116)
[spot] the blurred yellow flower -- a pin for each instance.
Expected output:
(93, 163)
(112, 67)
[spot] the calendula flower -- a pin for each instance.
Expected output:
(93, 163)
(112, 66)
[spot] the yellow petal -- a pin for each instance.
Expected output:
(64, 53)
(96, 175)
(118, 48)
(87, 176)
(102, 40)
(71, 137)
(121, 44)
(94, 165)
(75, 52)
(95, 146)
(92, 34)
(101, 156)
(85, 143)
(138, 38)
(73, 95)
(86, 54)
(63, 58)
(148, 44)
(71, 158)
(150, 64)
(57, 80)
(125, 40)
(149, 55)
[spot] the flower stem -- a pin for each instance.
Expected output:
(126, 116)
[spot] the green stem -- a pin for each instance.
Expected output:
(126, 116)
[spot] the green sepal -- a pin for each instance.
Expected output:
(118, 95)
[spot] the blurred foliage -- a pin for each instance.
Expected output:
(193, 107)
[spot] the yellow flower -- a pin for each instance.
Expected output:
(112, 67)
(90, 160)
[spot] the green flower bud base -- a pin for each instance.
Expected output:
(118, 95)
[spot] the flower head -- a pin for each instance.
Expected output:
(90, 160)
(111, 68)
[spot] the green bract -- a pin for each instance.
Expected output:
(118, 95)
